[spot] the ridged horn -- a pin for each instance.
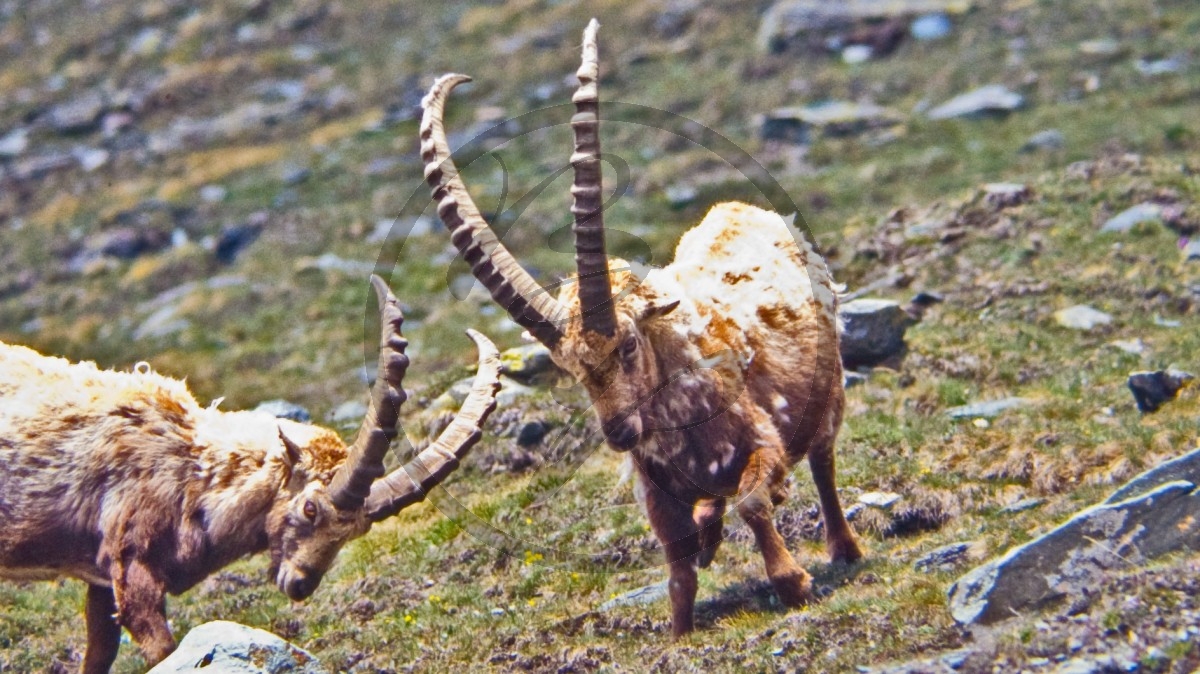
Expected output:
(595, 288)
(413, 481)
(351, 485)
(509, 284)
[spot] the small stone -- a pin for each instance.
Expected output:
(1132, 346)
(1081, 317)
(831, 118)
(1006, 195)
(1191, 251)
(348, 413)
(1132, 216)
(638, 597)
(294, 175)
(1156, 67)
(497, 612)
(529, 364)
(283, 409)
(1048, 140)
(856, 53)
(1152, 389)
(90, 158)
(532, 433)
(14, 143)
(943, 558)
(79, 115)
(1022, 505)
(146, 43)
(1105, 46)
(851, 379)
(986, 410)
(883, 500)
(680, 194)
(233, 239)
(930, 27)
(993, 99)
(213, 193)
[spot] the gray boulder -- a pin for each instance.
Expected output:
(1152, 390)
(222, 647)
(1185, 468)
(832, 118)
(1131, 217)
(1081, 317)
(874, 331)
(1076, 555)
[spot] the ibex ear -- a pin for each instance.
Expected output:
(293, 450)
(654, 310)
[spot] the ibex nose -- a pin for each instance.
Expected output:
(623, 434)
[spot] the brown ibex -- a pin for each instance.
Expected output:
(718, 372)
(122, 480)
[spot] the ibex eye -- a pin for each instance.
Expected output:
(310, 510)
(629, 346)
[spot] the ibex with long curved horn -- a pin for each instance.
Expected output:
(718, 372)
(123, 481)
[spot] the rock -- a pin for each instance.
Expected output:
(1152, 389)
(1134, 346)
(680, 194)
(284, 410)
(79, 115)
(851, 379)
(1132, 216)
(1006, 195)
(213, 194)
(930, 27)
(233, 239)
(1047, 140)
(1155, 67)
(1185, 468)
(42, 165)
(643, 595)
(90, 158)
(788, 20)
(833, 118)
(349, 413)
(532, 433)
(1022, 505)
(1191, 251)
(874, 331)
(529, 364)
(221, 647)
(883, 500)
(14, 142)
(856, 53)
(1081, 317)
(1105, 46)
(509, 392)
(993, 99)
(1075, 555)
(161, 323)
(944, 558)
(294, 175)
(986, 410)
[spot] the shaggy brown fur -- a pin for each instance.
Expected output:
(122, 480)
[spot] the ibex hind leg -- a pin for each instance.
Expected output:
(103, 630)
(709, 517)
(839, 537)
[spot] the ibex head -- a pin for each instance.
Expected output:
(594, 335)
(329, 505)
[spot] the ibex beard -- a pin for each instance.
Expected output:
(717, 373)
(122, 480)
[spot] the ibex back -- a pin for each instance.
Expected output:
(123, 481)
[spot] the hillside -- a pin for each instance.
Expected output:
(207, 190)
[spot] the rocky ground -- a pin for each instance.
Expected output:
(206, 189)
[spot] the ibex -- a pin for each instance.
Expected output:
(122, 480)
(718, 372)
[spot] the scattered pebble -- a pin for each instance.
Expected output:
(1081, 317)
(993, 99)
(1048, 140)
(1131, 217)
(930, 27)
(987, 409)
(879, 499)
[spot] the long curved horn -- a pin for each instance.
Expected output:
(595, 289)
(510, 285)
(411, 482)
(351, 485)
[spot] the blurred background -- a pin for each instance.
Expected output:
(207, 186)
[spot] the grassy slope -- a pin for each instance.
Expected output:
(420, 592)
